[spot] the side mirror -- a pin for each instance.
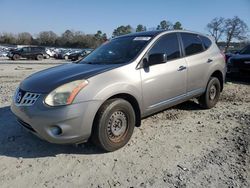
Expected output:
(155, 59)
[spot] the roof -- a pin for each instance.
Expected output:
(144, 33)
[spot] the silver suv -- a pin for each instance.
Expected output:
(104, 96)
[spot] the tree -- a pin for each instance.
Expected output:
(8, 38)
(122, 30)
(165, 25)
(216, 28)
(235, 28)
(47, 38)
(24, 38)
(101, 36)
(177, 25)
(140, 28)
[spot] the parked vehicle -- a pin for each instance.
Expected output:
(239, 63)
(50, 52)
(3, 53)
(64, 53)
(31, 52)
(104, 96)
(79, 55)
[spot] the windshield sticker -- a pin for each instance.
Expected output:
(142, 38)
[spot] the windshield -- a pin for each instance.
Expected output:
(245, 50)
(120, 50)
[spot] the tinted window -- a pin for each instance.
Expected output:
(26, 49)
(245, 50)
(167, 44)
(206, 42)
(192, 43)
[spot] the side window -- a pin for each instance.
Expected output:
(206, 41)
(26, 49)
(246, 50)
(167, 44)
(192, 43)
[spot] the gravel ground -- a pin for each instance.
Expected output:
(184, 146)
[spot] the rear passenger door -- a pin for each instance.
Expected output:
(165, 83)
(197, 62)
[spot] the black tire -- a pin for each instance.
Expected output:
(114, 115)
(16, 57)
(39, 57)
(212, 94)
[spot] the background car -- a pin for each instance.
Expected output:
(31, 52)
(239, 63)
(3, 53)
(79, 55)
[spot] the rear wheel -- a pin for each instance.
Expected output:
(114, 124)
(66, 57)
(16, 57)
(39, 57)
(211, 96)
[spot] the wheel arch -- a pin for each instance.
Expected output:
(132, 100)
(218, 74)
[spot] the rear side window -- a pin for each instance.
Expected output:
(192, 43)
(167, 44)
(245, 50)
(206, 41)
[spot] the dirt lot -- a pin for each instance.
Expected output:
(184, 146)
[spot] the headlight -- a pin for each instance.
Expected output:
(66, 93)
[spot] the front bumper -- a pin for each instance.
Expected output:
(75, 121)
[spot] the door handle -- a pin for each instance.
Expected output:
(209, 61)
(181, 68)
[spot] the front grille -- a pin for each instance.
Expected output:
(23, 98)
(25, 125)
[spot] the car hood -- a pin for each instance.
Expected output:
(241, 57)
(47, 80)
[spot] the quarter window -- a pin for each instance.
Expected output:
(167, 44)
(206, 42)
(192, 43)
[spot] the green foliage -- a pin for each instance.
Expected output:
(177, 26)
(229, 29)
(122, 30)
(140, 28)
(165, 25)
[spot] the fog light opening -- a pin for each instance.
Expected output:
(56, 130)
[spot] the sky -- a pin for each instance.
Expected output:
(89, 16)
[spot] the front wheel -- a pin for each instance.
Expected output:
(39, 57)
(212, 94)
(16, 57)
(113, 125)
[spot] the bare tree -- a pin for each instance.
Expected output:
(235, 28)
(216, 28)
(47, 38)
(7, 38)
(24, 38)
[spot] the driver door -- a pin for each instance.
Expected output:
(163, 84)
